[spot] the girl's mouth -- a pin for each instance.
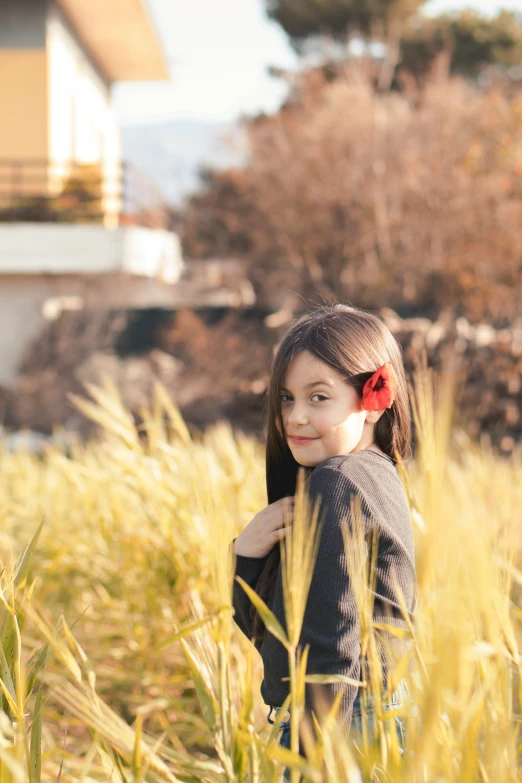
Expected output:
(298, 441)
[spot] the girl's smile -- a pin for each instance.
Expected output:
(298, 441)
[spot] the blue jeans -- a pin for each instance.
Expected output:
(400, 696)
(284, 738)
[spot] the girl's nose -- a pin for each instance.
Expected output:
(297, 415)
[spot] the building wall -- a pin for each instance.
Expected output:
(42, 264)
(83, 125)
(23, 103)
(54, 103)
(21, 321)
(56, 249)
(23, 81)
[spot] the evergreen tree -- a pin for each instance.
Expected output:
(301, 19)
(473, 41)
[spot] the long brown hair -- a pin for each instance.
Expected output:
(355, 343)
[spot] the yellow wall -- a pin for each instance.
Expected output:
(54, 106)
(23, 104)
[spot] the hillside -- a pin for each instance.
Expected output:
(172, 153)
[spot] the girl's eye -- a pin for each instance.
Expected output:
(285, 396)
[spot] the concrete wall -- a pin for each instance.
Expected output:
(28, 301)
(59, 248)
(21, 320)
(124, 267)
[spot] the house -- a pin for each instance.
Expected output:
(58, 60)
(78, 227)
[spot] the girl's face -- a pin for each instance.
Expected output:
(322, 414)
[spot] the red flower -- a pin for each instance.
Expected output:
(379, 390)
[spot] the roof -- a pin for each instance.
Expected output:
(120, 36)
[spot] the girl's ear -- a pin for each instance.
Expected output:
(372, 417)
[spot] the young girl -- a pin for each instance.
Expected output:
(337, 405)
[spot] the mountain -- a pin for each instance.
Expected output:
(172, 153)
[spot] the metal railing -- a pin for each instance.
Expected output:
(72, 192)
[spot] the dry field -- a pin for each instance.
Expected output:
(119, 657)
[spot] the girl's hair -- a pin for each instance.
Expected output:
(355, 343)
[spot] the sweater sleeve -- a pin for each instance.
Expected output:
(249, 569)
(330, 623)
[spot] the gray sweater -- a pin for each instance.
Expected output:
(331, 625)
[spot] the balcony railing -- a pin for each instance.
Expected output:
(71, 192)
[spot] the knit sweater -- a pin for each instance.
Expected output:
(331, 625)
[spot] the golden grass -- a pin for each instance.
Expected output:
(138, 672)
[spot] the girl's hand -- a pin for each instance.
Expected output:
(265, 529)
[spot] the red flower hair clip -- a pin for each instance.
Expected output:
(379, 390)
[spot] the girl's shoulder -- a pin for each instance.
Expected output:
(369, 473)
(372, 477)
(362, 462)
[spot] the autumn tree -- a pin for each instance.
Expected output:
(411, 202)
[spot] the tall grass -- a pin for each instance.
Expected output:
(122, 660)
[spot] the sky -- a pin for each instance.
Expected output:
(218, 53)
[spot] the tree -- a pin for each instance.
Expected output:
(472, 40)
(383, 199)
(301, 19)
(378, 20)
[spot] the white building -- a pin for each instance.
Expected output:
(76, 229)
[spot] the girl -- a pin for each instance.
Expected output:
(337, 405)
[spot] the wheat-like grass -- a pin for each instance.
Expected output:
(121, 660)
